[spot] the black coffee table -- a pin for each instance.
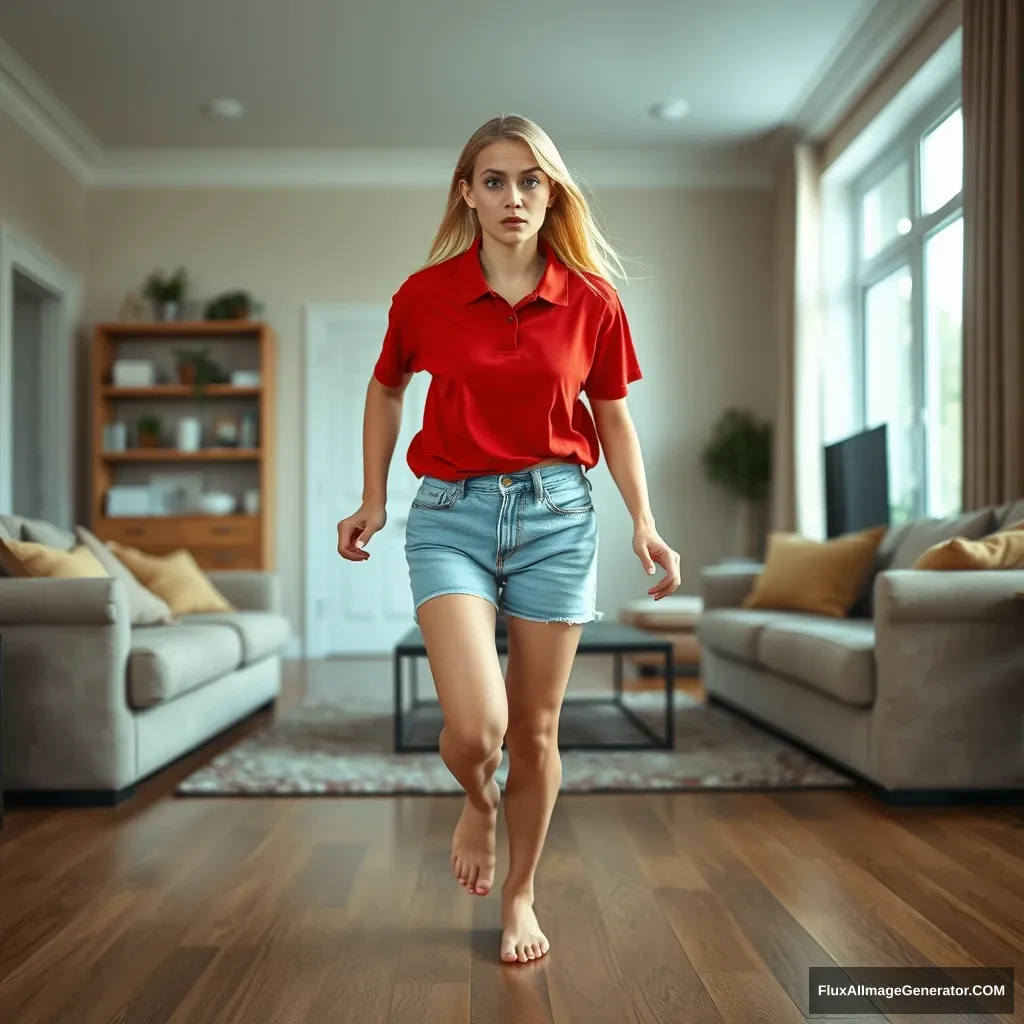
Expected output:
(603, 722)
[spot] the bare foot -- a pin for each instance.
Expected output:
(521, 937)
(473, 845)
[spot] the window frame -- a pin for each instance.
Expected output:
(903, 250)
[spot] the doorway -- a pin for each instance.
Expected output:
(38, 308)
(352, 608)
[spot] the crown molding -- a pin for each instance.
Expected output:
(39, 112)
(881, 32)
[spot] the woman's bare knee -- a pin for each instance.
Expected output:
(532, 739)
(472, 740)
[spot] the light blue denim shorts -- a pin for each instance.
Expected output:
(526, 542)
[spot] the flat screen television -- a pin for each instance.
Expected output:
(857, 482)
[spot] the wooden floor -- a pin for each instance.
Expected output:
(696, 908)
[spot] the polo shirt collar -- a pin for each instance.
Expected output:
(553, 286)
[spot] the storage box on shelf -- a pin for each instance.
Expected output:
(127, 457)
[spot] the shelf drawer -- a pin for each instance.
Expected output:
(214, 559)
(183, 532)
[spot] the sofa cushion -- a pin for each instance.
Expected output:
(734, 631)
(261, 633)
(167, 661)
(39, 531)
(670, 613)
(836, 657)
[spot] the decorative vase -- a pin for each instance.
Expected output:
(749, 532)
(168, 312)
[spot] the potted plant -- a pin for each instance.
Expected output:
(166, 293)
(738, 457)
(236, 305)
(198, 369)
(148, 427)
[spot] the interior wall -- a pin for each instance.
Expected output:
(700, 308)
(39, 198)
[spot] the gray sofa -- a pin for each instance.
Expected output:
(93, 704)
(919, 691)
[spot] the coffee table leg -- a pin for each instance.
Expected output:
(399, 701)
(670, 692)
(617, 676)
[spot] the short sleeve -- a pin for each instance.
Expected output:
(396, 357)
(615, 365)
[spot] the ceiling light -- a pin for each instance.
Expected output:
(670, 110)
(224, 107)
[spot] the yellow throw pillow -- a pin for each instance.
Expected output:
(175, 578)
(1001, 550)
(822, 577)
(25, 558)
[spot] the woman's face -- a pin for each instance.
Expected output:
(509, 192)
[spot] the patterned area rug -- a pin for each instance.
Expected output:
(328, 748)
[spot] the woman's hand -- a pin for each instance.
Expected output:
(355, 532)
(653, 551)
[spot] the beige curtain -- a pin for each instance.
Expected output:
(993, 400)
(798, 492)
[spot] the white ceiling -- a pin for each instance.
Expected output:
(425, 73)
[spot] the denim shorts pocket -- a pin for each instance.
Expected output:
(569, 500)
(434, 494)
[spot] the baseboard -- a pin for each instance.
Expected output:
(67, 797)
(895, 797)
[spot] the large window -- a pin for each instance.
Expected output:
(908, 216)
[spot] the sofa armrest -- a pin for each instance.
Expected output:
(249, 590)
(67, 724)
(69, 602)
(917, 595)
(725, 586)
(949, 655)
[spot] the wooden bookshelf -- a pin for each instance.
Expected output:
(234, 541)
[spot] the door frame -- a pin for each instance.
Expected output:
(59, 319)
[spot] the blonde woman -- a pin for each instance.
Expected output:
(514, 317)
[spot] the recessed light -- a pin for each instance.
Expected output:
(670, 110)
(225, 107)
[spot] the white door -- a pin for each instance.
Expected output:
(352, 607)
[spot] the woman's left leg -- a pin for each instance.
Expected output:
(540, 656)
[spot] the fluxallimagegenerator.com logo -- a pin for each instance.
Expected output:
(925, 990)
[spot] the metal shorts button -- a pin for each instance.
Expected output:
(506, 481)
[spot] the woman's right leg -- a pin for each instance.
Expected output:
(458, 632)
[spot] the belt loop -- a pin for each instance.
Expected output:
(461, 488)
(538, 485)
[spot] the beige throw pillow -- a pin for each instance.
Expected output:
(26, 558)
(176, 579)
(815, 576)
(1001, 550)
(144, 607)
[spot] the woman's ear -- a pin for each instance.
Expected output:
(467, 194)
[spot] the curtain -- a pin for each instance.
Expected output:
(798, 491)
(993, 336)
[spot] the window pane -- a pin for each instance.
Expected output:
(885, 211)
(889, 385)
(942, 163)
(943, 304)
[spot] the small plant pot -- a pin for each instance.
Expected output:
(168, 312)
(149, 440)
(186, 373)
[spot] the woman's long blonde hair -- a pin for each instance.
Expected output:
(569, 226)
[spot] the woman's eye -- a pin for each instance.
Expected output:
(532, 182)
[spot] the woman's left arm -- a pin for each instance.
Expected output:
(621, 448)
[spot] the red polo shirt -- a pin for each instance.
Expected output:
(506, 380)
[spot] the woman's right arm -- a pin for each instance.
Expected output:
(382, 422)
